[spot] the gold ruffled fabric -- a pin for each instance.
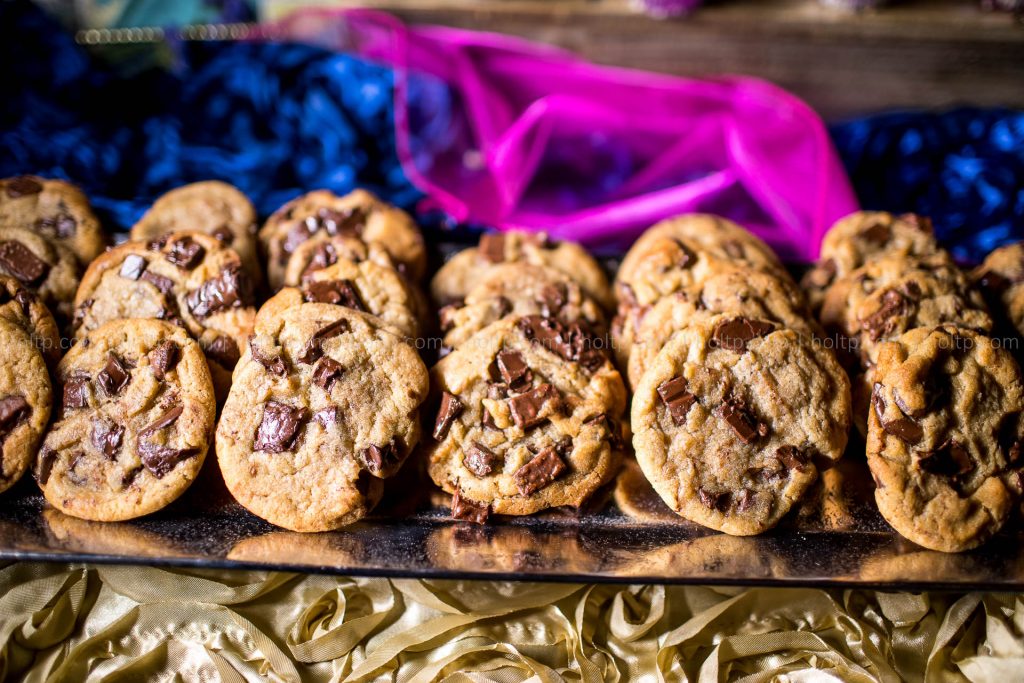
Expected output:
(113, 624)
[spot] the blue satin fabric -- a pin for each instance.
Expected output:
(274, 119)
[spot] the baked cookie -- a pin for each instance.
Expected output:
(944, 436)
(135, 421)
(518, 289)
(187, 278)
(322, 214)
(46, 268)
(366, 286)
(211, 207)
(54, 209)
(325, 403)
(23, 308)
(888, 296)
(527, 419)
(465, 270)
(1000, 279)
(734, 418)
(321, 251)
(862, 237)
(25, 400)
(748, 293)
(681, 252)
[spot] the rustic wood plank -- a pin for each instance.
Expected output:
(923, 53)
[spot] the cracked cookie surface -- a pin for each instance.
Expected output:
(734, 418)
(944, 437)
(527, 418)
(54, 209)
(25, 401)
(211, 207)
(135, 421)
(325, 403)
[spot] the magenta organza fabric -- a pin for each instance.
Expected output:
(538, 138)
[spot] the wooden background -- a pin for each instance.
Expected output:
(918, 53)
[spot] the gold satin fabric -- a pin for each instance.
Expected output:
(119, 624)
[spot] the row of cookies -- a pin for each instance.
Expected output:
(939, 397)
(738, 402)
(529, 404)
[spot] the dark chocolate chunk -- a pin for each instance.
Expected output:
(743, 422)
(328, 416)
(130, 476)
(160, 460)
(323, 255)
(714, 500)
(950, 459)
(544, 468)
(903, 427)
(614, 432)
(22, 186)
(313, 350)
(481, 460)
(686, 256)
(223, 235)
(745, 500)
(44, 465)
(883, 322)
(466, 510)
(527, 408)
(677, 399)
(107, 438)
(133, 267)
(877, 233)
(270, 360)
(492, 247)
(344, 222)
(553, 298)
(376, 458)
(114, 375)
(166, 419)
(514, 370)
(573, 342)
(488, 420)
(230, 289)
(157, 243)
(337, 292)
(63, 225)
(185, 253)
(451, 408)
(164, 284)
(446, 315)
(26, 299)
(76, 392)
(735, 333)
(222, 350)
(993, 283)
(164, 358)
(14, 410)
(326, 374)
(791, 457)
(820, 276)
(296, 236)
(19, 261)
(279, 429)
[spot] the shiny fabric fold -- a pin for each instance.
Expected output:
(69, 623)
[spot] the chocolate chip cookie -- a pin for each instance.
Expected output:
(366, 286)
(187, 278)
(734, 418)
(681, 252)
(325, 402)
(54, 209)
(25, 400)
(999, 278)
(888, 296)
(23, 308)
(862, 237)
(747, 293)
(944, 436)
(211, 207)
(46, 268)
(321, 214)
(135, 421)
(518, 289)
(527, 418)
(467, 268)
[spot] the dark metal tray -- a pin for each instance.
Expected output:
(836, 538)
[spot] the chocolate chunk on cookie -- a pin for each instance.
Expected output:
(527, 417)
(20, 306)
(45, 268)
(325, 402)
(25, 401)
(133, 428)
(731, 436)
(944, 435)
(1000, 280)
